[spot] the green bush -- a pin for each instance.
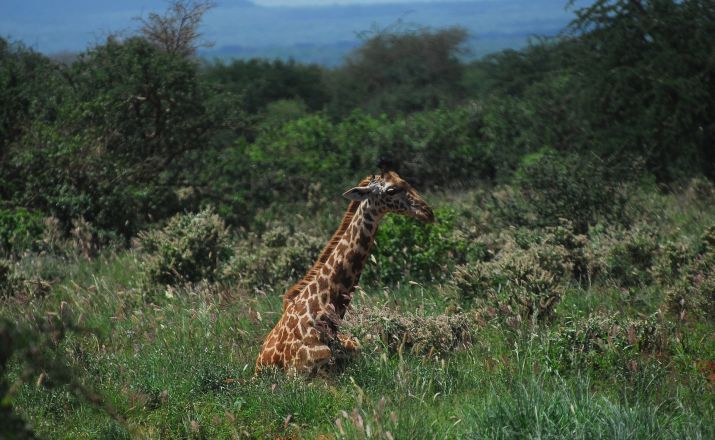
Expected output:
(607, 341)
(13, 282)
(692, 295)
(641, 70)
(631, 257)
(378, 327)
(700, 190)
(190, 248)
(671, 259)
(580, 189)
(440, 148)
(527, 275)
(8, 283)
(407, 250)
(272, 261)
(514, 287)
(19, 229)
(558, 249)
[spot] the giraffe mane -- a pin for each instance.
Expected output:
(295, 290)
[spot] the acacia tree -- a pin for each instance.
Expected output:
(177, 30)
(647, 75)
(401, 72)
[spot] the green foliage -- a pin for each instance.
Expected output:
(400, 71)
(671, 259)
(646, 81)
(580, 189)
(631, 257)
(262, 82)
(527, 275)
(514, 72)
(437, 149)
(441, 148)
(513, 288)
(29, 88)
(406, 249)
(279, 112)
(144, 104)
(190, 248)
(270, 262)
(692, 294)
(115, 151)
(19, 228)
(7, 281)
(427, 335)
(608, 341)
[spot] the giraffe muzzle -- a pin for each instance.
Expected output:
(425, 214)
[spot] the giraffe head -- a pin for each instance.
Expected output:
(388, 192)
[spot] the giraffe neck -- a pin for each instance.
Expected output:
(345, 264)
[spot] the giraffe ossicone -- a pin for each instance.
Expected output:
(307, 335)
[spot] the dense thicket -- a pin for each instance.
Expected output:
(625, 79)
(132, 133)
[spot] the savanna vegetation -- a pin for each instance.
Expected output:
(154, 206)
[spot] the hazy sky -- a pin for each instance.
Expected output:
(54, 26)
(340, 2)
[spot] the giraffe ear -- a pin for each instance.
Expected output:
(359, 193)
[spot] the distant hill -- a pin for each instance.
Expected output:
(320, 34)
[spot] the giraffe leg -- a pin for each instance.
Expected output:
(312, 357)
(345, 349)
(349, 343)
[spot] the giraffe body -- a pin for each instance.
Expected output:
(306, 336)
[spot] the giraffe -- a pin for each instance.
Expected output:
(304, 339)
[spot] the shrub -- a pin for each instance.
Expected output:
(558, 249)
(514, 288)
(434, 149)
(403, 71)
(8, 284)
(19, 229)
(608, 340)
(672, 258)
(409, 332)
(581, 189)
(191, 247)
(270, 262)
(406, 249)
(14, 283)
(631, 257)
(624, 257)
(693, 293)
(700, 189)
(527, 277)
(577, 259)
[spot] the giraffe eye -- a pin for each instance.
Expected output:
(392, 190)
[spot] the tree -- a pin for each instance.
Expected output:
(177, 30)
(647, 75)
(398, 72)
(29, 89)
(261, 82)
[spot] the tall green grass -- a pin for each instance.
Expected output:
(177, 361)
